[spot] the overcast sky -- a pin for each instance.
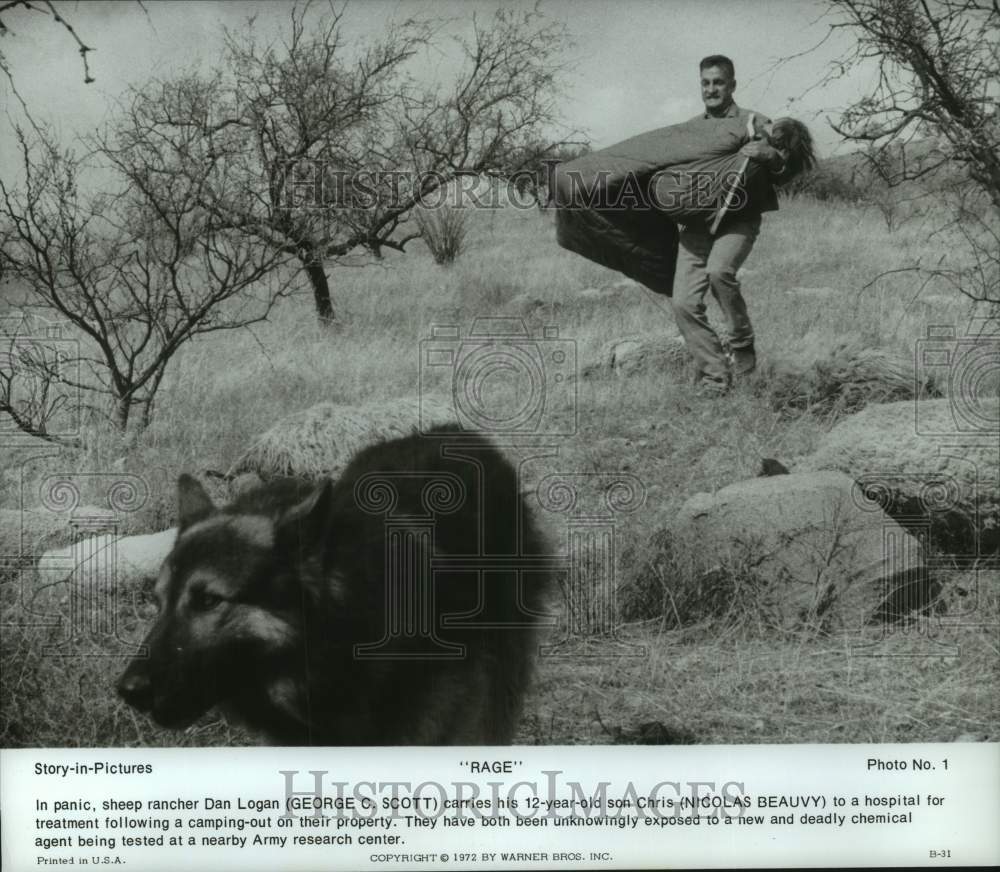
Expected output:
(634, 62)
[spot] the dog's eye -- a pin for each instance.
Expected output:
(203, 600)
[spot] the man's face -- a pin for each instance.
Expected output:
(716, 89)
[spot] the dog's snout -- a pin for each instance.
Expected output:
(137, 690)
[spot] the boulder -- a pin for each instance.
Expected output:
(529, 305)
(928, 465)
(770, 466)
(28, 533)
(805, 548)
(320, 440)
(641, 354)
(137, 558)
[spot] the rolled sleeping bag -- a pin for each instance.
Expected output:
(620, 206)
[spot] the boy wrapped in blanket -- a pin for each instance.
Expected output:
(682, 204)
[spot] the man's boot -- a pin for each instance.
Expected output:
(710, 388)
(744, 361)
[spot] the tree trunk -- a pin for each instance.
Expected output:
(123, 407)
(147, 414)
(321, 290)
(149, 403)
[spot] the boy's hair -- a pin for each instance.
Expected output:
(795, 141)
(718, 61)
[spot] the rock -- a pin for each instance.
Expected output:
(652, 733)
(634, 355)
(136, 558)
(321, 440)
(28, 533)
(770, 466)
(531, 305)
(972, 737)
(525, 302)
(924, 469)
(808, 552)
(33, 531)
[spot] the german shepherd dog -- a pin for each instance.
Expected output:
(310, 613)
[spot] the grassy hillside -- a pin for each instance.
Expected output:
(806, 286)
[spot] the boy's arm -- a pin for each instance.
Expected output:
(766, 155)
(761, 152)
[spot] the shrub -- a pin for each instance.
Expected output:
(844, 381)
(679, 585)
(444, 231)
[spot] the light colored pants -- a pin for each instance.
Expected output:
(711, 262)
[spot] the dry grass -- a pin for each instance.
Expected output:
(932, 682)
(843, 381)
(676, 584)
(806, 285)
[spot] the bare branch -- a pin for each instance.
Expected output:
(47, 7)
(930, 122)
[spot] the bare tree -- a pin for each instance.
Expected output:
(876, 178)
(931, 117)
(337, 143)
(938, 77)
(136, 269)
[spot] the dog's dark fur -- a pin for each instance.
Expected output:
(262, 603)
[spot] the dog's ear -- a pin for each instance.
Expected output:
(311, 511)
(193, 504)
